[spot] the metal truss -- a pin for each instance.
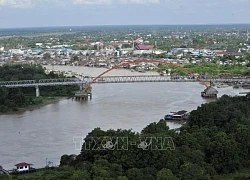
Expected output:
(110, 79)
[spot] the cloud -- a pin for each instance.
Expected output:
(17, 3)
(239, 1)
(27, 3)
(170, 4)
(109, 2)
(92, 2)
(140, 1)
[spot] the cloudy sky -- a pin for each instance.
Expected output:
(39, 13)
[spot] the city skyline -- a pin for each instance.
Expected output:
(46, 13)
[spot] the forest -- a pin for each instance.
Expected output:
(14, 99)
(213, 144)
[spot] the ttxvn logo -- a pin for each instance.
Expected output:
(124, 143)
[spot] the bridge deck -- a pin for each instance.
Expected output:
(109, 79)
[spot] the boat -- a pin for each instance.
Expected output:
(209, 92)
(180, 115)
(222, 86)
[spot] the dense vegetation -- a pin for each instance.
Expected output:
(15, 98)
(213, 144)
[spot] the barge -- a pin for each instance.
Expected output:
(180, 116)
(209, 92)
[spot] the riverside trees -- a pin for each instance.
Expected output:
(16, 98)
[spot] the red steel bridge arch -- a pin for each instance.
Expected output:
(144, 61)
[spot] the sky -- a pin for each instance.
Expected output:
(46, 13)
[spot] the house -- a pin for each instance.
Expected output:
(186, 50)
(34, 51)
(234, 52)
(39, 44)
(110, 47)
(158, 52)
(144, 47)
(220, 53)
(23, 166)
(138, 41)
(17, 51)
(195, 53)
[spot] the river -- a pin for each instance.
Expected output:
(96, 71)
(47, 133)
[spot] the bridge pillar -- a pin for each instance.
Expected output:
(37, 91)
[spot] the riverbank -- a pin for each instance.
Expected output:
(41, 102)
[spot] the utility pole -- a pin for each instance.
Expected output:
(248, 36)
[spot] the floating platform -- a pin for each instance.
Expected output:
(179, 116)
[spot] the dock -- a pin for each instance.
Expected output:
(244, 92)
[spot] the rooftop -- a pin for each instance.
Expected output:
(180, 112)
(22, 164)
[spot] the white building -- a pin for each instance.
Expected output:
(39, 44)
(23, 167)
(17, 51)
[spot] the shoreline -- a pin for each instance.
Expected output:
(45, 101)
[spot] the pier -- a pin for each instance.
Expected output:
(83, 94)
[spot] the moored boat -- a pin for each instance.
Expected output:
(180, 115)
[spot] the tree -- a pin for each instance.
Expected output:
(80, 175)
(189, 171)
(46, 56)
(122, 178)
(133, 174)
(166, 174)
(74, 58)
(66, 159)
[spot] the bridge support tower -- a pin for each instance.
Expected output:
(83, 95)
(37, 91)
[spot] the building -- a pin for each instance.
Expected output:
(34, 51)
(182, 50)
(144, 47)
(23, 166)
(233, 52)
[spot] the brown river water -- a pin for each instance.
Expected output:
(48, 132)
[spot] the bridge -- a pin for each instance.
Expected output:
(86, 82)
(42, 82)
(109, 79)
(157, 78)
